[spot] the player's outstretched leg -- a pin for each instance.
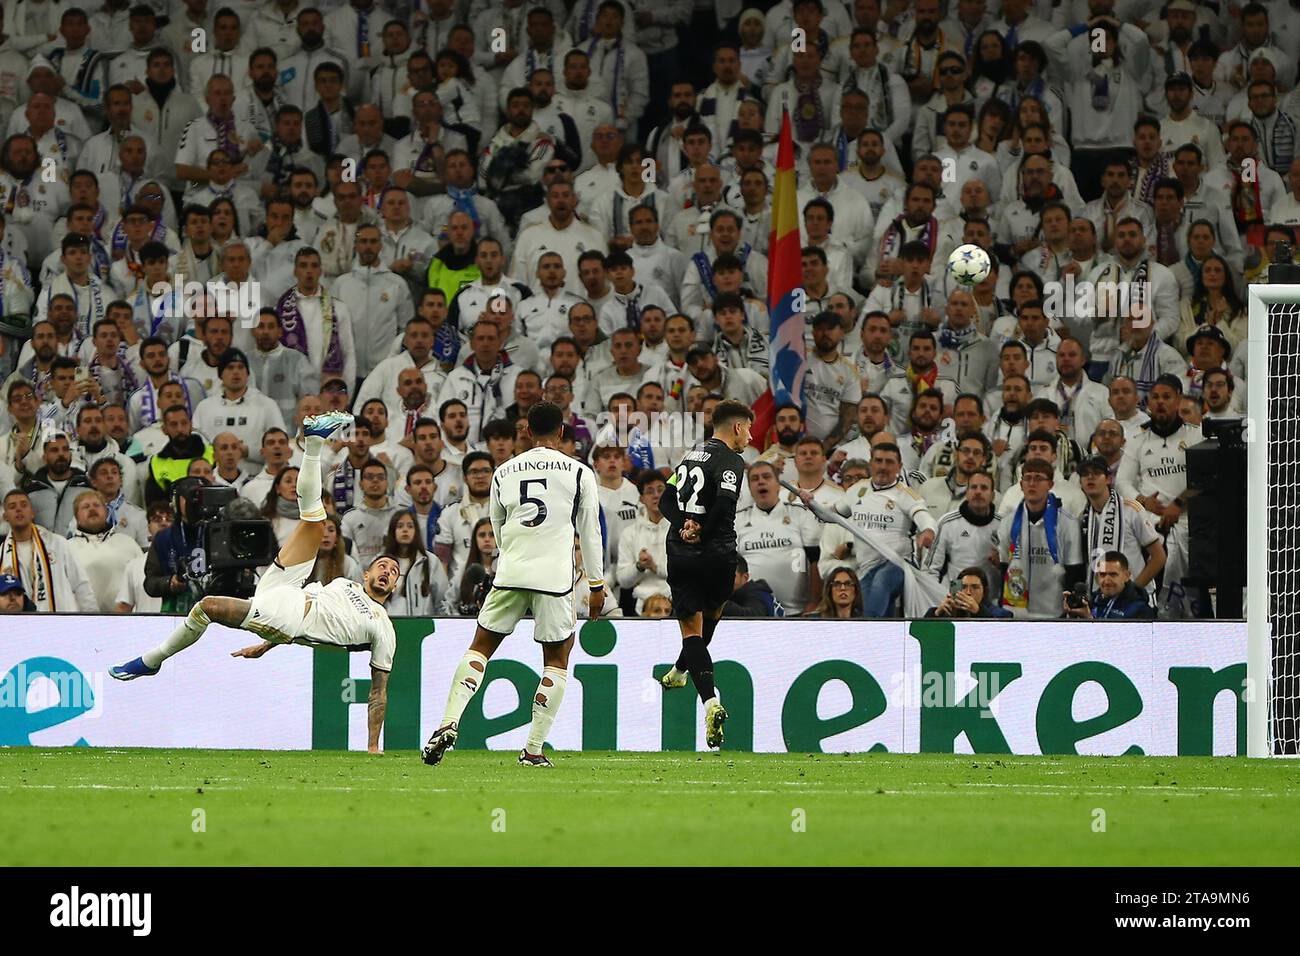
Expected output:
(222, 610)
(546, 702)
(303, 543)
(464, 685)
(316, 431)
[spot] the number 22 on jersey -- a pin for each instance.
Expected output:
(689, 482)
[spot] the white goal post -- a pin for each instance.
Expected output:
(1272, 510)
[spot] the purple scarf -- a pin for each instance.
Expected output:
(226, 137)
(294, 335)
(808, 115)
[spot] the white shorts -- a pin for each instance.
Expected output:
(555, 617)
(277, 608)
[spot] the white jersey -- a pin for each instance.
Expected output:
(343, 614)
(1035, 577)
(960, 543)
(620, 506)
(132, 591)
(540, 501)
(826, 387)
(1155, 465)
(456, 529)
(890, 515)
(827, 494)
(872, 375)
(774, 543)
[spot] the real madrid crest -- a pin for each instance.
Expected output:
(889, 504)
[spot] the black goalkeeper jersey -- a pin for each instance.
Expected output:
(704, 488)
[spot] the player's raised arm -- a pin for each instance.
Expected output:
(376, 708)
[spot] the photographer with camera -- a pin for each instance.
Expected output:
(212, 547)
(1117, 597)
(968, 596)
(170, 552)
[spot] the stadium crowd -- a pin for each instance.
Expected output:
(436, 213)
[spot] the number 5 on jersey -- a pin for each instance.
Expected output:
(538, 518)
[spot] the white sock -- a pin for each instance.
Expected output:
(712, 701)
(191, 630)
(309, 500)
(464, 685)
(674, 673)
(546, 704)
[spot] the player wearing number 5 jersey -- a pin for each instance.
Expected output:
(700, 505)
(540, 500)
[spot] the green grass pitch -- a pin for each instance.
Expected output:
(181, 807)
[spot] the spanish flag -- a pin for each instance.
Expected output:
(784, 284)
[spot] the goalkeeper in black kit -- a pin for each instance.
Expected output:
(700, 505)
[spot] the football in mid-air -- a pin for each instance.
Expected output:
(969, 264)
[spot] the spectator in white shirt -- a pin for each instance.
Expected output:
(238, 407)
(102, 551)
(643, 560)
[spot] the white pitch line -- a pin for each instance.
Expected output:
(920, 790)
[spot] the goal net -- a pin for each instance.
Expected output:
(1273, 519)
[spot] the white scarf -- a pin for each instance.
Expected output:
(37, 577)
(1103, 531)
(63, 285)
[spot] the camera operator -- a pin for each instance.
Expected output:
(170, 552)
(1117, 597)
(968, 596)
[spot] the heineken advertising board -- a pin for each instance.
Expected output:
(900, 686)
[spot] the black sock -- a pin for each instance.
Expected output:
(710, 625)
(700, 666)
(683, 664)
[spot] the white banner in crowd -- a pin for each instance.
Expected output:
(934, 686)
